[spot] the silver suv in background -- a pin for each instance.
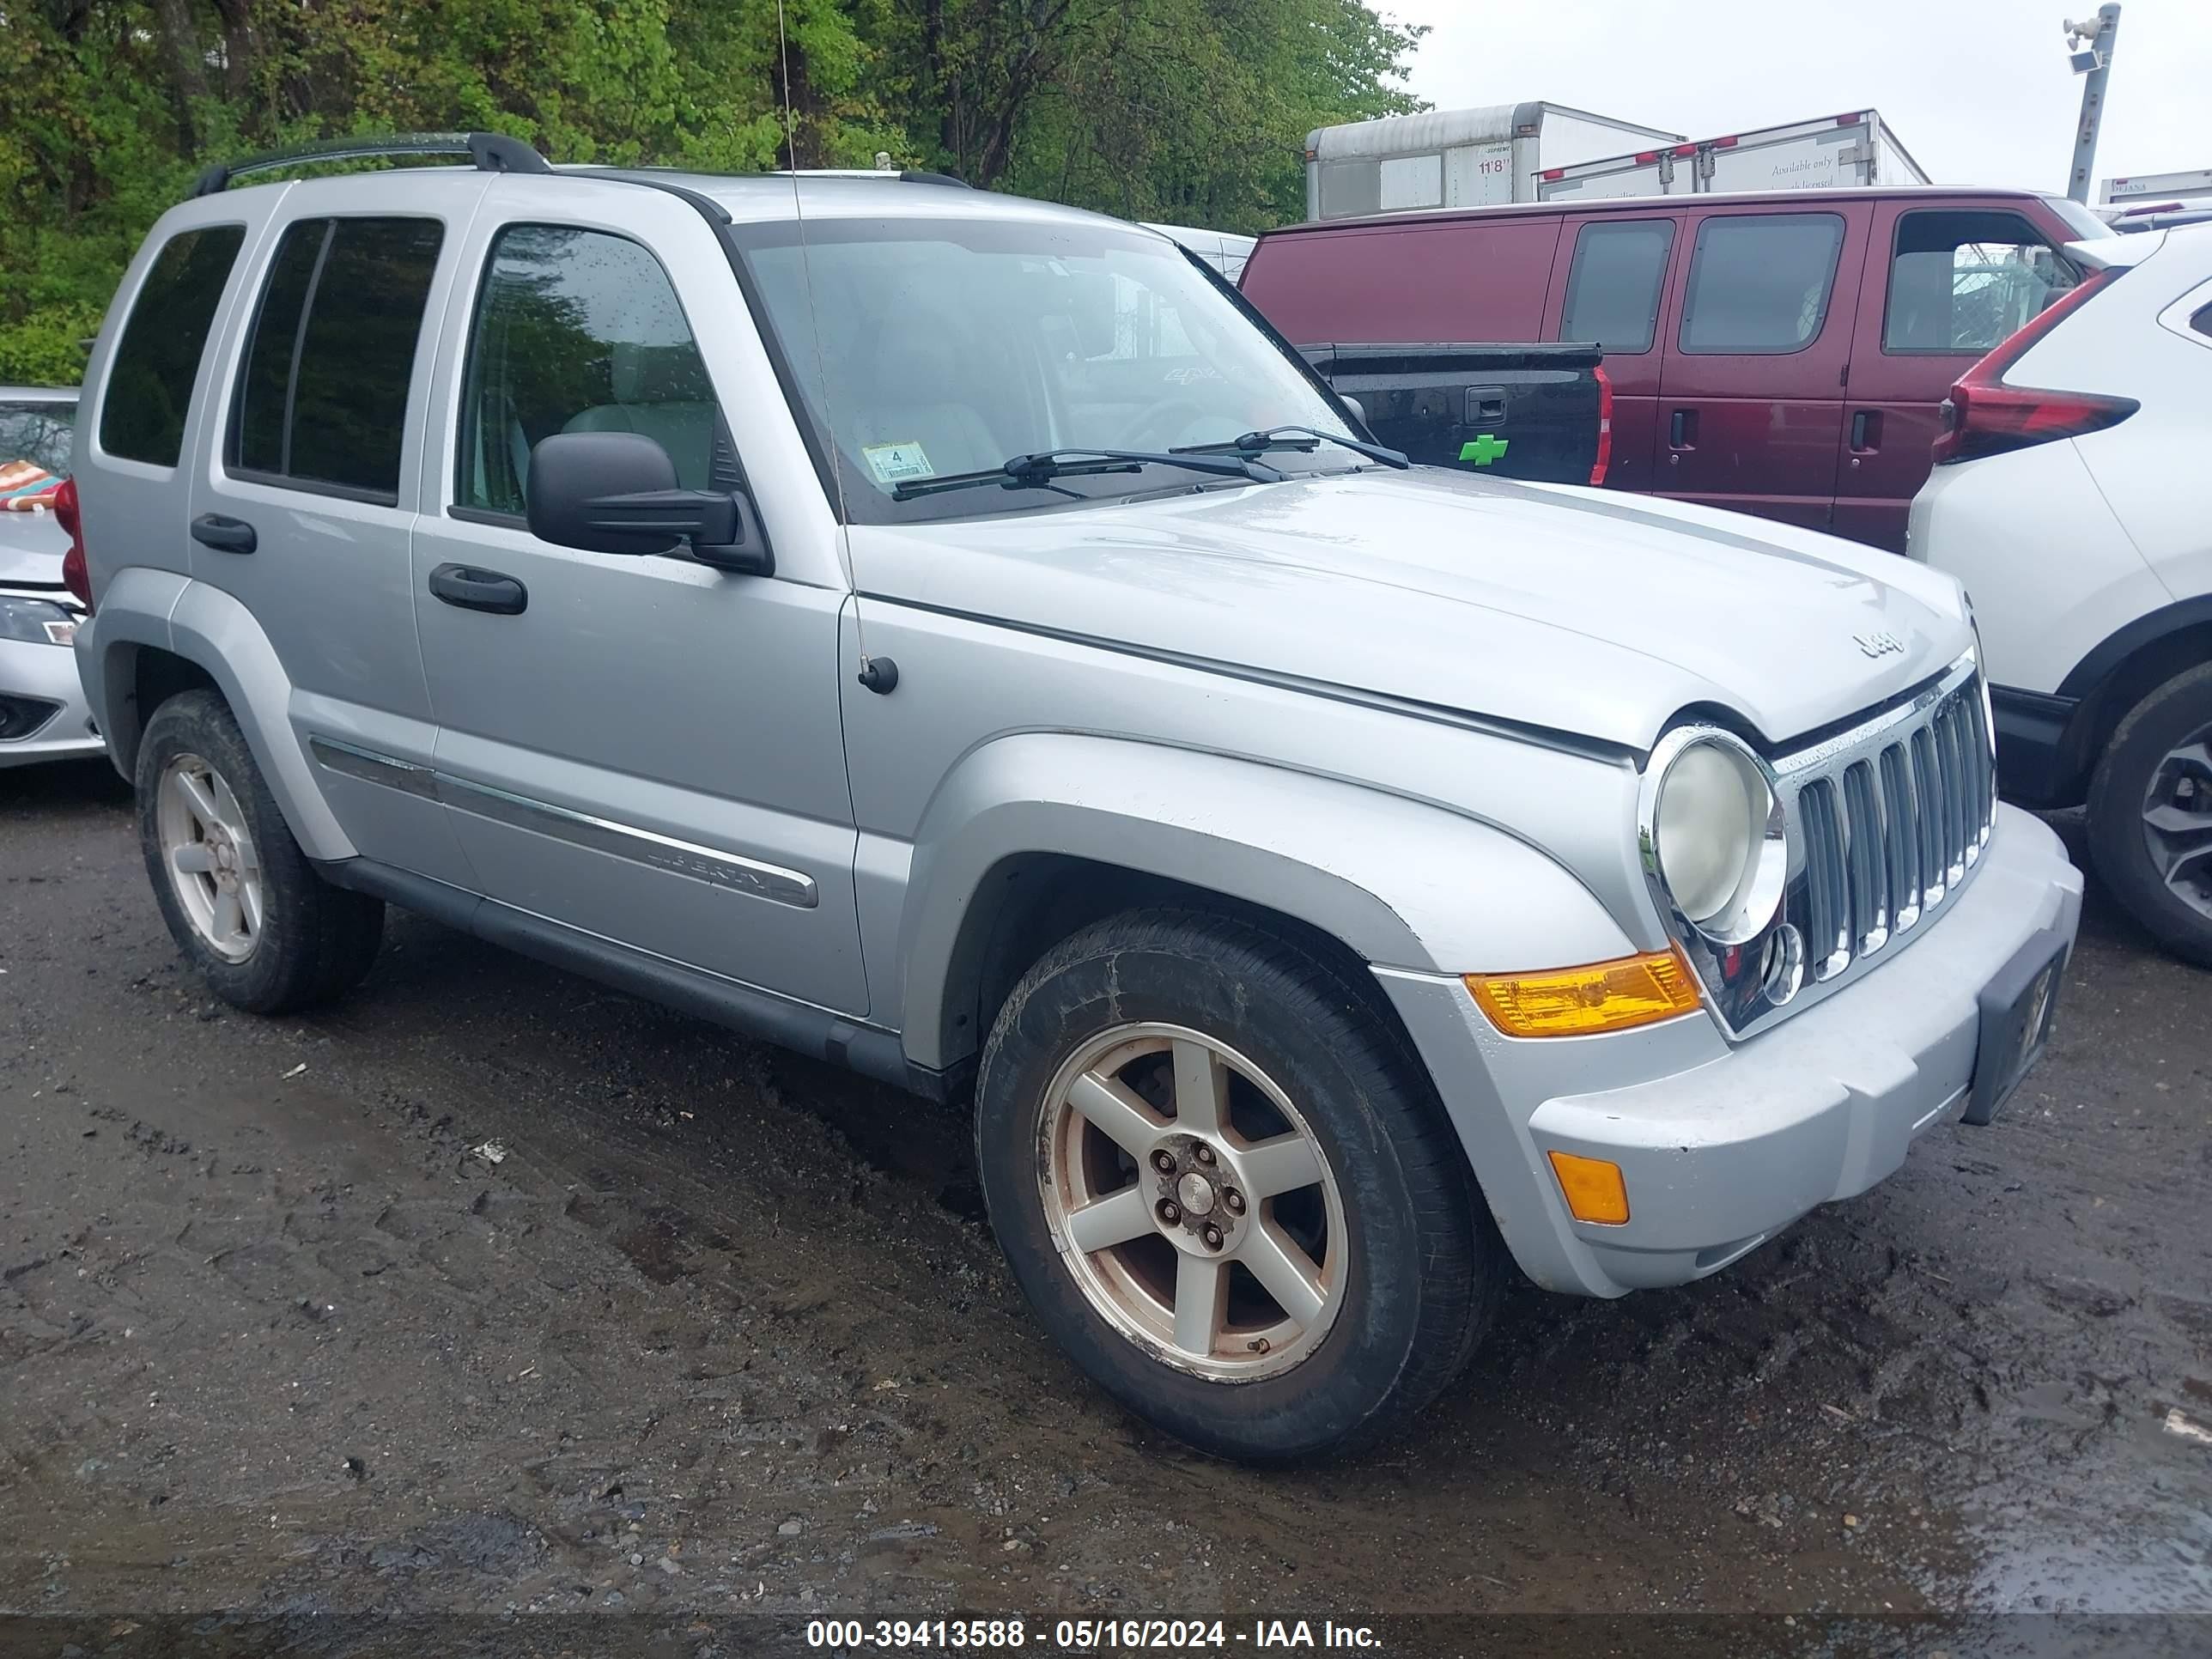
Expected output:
(952, 635)
(42, 709)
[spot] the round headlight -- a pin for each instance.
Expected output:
(1709, 832)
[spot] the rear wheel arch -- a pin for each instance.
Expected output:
(141, 677)
(2111, 680)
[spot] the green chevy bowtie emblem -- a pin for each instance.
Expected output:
(1484, 450)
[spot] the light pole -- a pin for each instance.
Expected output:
(2090, 48)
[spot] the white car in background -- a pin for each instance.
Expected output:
(2072, 496)
(42, 714)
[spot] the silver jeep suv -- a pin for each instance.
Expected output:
(953, 635)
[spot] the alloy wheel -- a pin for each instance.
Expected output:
(2177, 821)
(207, 849)
(1193, 1202)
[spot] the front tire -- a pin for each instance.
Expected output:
(2150, 815)
(240, 898)
(1228, 1188)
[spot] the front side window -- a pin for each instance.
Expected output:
(922, 348)
(322, 398)
(579, 331)
(150, 383)
(1960, 281)
(1615, 283)
(1760, 284)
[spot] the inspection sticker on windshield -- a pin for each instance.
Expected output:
(897, 463)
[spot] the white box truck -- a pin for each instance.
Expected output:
(1455, 158)
(2157, 201)
(2190, 189)
(1856, 148)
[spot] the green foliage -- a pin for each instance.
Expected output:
(1189, 110)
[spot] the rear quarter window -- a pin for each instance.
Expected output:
(1615, 283)
(149, 380)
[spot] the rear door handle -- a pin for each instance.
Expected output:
(472, 589)
(1866, 431)
(1682, 429)
(224, 534)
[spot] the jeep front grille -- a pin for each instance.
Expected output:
(1890, 822)
(1883, 822)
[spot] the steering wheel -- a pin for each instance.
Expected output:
(1166, 420)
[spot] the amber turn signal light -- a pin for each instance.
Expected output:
(1605, 996)
(1594, 1187)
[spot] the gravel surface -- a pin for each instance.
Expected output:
(490, 1292)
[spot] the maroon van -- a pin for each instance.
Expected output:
(1783, 353)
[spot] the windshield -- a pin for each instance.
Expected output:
(2085, 226)
(950, 346)
(40, 432)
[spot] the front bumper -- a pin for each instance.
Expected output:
(46, 674)
(1721, 1147)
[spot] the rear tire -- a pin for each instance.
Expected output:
(1263, 1112)
(2150, 815)
(240, 898)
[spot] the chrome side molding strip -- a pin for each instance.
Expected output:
(711, 864)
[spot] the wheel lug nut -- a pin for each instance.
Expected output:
(1204, 1153)
(1170, 1211)
(1163, 1161)
(1213, 1238)
(1234, 1200)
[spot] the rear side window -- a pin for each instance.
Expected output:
(322, 398)
(1615, 284)
(2201, 322)
(1760, 284)
(150, 383)
(1960, 281)
(579, 331)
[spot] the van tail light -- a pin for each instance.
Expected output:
(1604, 426)
(76, 575)
(1984, 417)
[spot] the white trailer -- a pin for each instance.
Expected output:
(1455, 158)
(1856, 148)
(2190, 190)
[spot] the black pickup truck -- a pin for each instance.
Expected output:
(1542, 413)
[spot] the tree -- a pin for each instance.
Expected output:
(1189, 109)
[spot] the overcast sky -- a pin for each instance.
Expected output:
(1978, 90)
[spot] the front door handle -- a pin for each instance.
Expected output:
(1682, 429)
(472, 589)
(225, 535)
(1866, 431)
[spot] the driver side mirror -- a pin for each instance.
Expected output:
(616, 492)
(1357, 410)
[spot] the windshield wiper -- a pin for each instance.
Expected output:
(1305, 438)
(1037, 471)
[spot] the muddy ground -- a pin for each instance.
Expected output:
(722, 1337)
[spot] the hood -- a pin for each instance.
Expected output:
(1584, 611)
(31, 549)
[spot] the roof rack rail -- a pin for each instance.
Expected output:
(904, 175)
(487, 152)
